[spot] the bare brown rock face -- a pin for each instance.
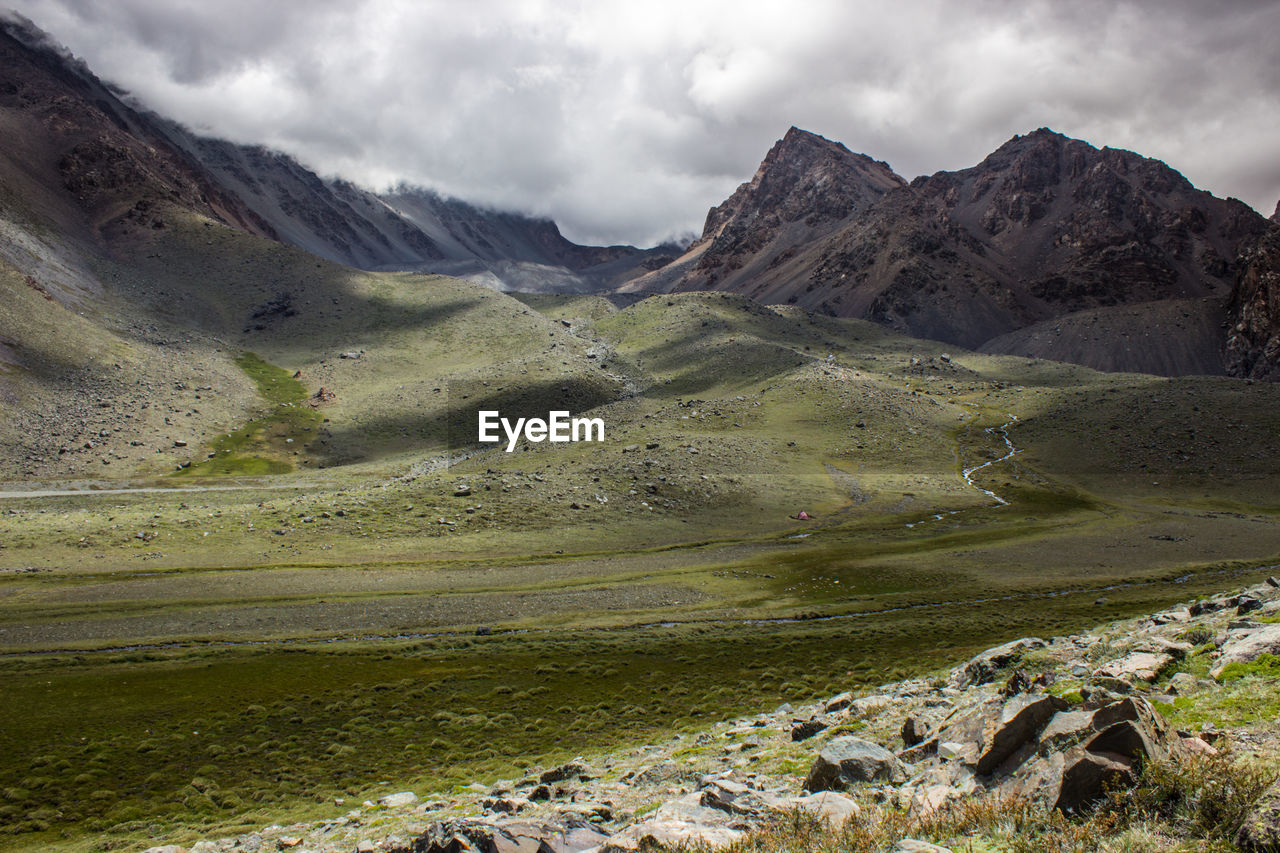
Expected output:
(806, 189)
(1046, 227)
(1253, 341)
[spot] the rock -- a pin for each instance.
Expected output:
(505, 805)
(1104, 688)
(1065, 730)
(837, 703)
(982, 667)
(573, 769)
(735, 798)
(1183, 684)
(502, 835)
(848, 760)
(1111, 743)
(1248, 604)
(1247, 646)
(588, 810)
(1178, 614)
(462, 491)
(1260, 830)
(869, 706)
(1144, 666)
(167, 848)
(1019, 682)
(657, 832)
(912, 732)
(1088, 776)
(911, 845)
(403, 798)
(805, 729)
(1176, 648)
(352, 354)
(1253, 316)
(834, 808)
(994, 730)
(1196, 746)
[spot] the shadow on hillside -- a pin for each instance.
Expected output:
(694, 365)
(455, 428)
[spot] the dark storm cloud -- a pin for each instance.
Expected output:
(626, 121)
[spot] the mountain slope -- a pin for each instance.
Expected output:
(118, 159)
(1253, 342)
(805, 189)
(1045, 227)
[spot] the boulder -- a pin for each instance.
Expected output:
(1087, 776)
(1248, 604)
(1065, 730)
(736, 798)
(995, 730)
(982, 667)
(1144, 666)
(805, 729)
(837, 703)
(1110, 743)
(834, 808)
(848, 760)
(1247, 645)
(403, 798)
(1183, 684)
(1260, 830)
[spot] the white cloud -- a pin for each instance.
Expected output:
(626, 121)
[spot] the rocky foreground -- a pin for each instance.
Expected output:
(1055, 725)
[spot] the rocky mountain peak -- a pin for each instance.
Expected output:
(1275, 217)
(804, 177)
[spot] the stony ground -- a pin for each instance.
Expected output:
(1052, 722)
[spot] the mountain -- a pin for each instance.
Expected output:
(119, 159)
(1045, 230)
(409, 228)
(1253, 341)
(805, 189)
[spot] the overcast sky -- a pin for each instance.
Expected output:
(626, 121)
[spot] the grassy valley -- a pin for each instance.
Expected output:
(312, 597)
